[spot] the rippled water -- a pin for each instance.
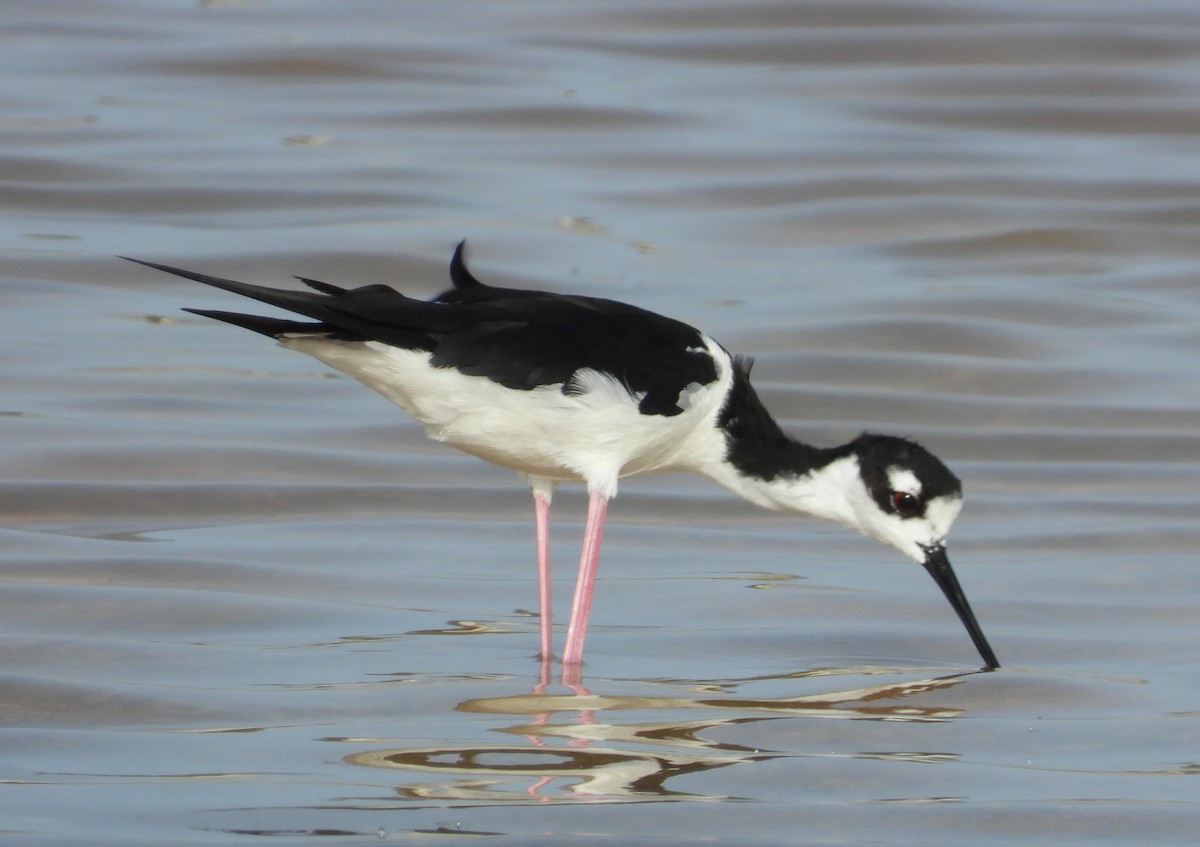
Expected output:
(245, 597)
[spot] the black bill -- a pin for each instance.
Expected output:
(939, 568)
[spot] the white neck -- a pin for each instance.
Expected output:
(828, 492)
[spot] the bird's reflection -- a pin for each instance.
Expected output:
(575, 749)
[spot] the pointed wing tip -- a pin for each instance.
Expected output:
(270, 327)
(323, 287)
(142, 262)
(171, 269)
(459, 275)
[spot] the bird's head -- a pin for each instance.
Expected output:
(905, 497)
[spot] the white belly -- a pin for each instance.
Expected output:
(593, 434)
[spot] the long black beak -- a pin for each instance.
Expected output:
(939, 568)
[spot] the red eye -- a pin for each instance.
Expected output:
(904, 503)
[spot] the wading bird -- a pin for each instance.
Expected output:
(562, 387)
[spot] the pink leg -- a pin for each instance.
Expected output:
(582, 605)
(541, 521)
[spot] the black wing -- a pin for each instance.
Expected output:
(520, 339)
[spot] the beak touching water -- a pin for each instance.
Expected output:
(939, 568)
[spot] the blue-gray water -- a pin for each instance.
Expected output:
(243, 597)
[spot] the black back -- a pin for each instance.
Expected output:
(519, 339)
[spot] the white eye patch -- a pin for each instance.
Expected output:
(902, 479)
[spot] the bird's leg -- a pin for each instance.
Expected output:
(541, 520)
(542, 489)
(582, 604)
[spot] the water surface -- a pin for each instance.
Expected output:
(244, 598)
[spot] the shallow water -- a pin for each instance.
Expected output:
(245, 597)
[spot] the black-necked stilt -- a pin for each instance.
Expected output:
(567, 388)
